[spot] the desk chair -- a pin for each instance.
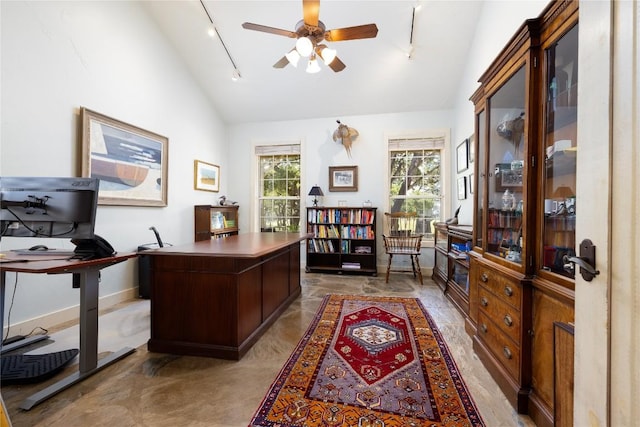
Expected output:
(400, 239)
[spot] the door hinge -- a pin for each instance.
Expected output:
(533, 161)
(535, 62)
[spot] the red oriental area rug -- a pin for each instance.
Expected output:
(369, 362)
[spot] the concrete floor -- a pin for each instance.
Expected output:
(153, 389)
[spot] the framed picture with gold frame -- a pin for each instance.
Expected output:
(131, 162)
(206, 176)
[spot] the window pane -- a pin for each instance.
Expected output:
(280, 193)
(415, 185)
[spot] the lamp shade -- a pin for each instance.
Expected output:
(313, 66)
(316, 191)
(293, 57)
(304, 46)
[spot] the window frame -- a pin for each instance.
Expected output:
(273, 149)
(422, 140)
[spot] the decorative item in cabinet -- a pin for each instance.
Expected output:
(215, 221)
(344, 240)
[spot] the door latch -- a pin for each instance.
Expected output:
(586, 261)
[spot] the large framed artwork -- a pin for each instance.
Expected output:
(206, 176)
(132, 163)
(343, 178)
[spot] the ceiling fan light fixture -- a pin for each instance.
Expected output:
(304, 46)
(293, 57)
(313, 66)
(327, 54)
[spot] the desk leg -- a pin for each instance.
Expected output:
(89, 364)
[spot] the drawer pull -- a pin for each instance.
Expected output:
(484, 302)
(508, 291)
(484, 277)
(507, 353)
(483, 328)
(508, 320)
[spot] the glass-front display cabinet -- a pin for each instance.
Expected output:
(520, 287)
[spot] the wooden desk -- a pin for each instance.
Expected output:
(217, 297)
(88, 273)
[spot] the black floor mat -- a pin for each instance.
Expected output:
(27, 368)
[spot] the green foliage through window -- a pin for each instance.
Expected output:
(416, 185)
(279, 192)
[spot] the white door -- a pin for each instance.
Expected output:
(607, 347)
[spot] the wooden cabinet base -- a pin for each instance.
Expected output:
(516, 395)
(219, 351)
(216, 298)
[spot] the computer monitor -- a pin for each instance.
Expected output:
(48, 207)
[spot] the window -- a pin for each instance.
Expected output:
(279, 191)
(416, 180)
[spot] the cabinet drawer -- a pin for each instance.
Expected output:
(500, 345)
(504, 288)
(503, 315)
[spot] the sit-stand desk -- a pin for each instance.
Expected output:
(88, 273)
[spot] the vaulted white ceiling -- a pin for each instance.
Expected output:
(378, 78)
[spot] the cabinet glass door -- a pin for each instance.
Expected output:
(561, 146)
(506, 141)
(480, 174)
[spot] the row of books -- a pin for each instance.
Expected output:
(321, 246)
(351, 265)
(357, 232)
(218, 221)
(502, 220)
(324, 231)
(329, 246)
(341, 216)
(506, 236)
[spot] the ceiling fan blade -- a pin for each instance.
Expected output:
(310, 12)
(271, 30)
(337, 65)
(367, 31)
(283, 62)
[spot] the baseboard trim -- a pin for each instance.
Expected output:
(70, 314)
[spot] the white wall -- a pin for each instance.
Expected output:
(497, 23)
(319, 151)
(111, 58)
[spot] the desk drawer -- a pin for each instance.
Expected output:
(504, 288)
(500, 345)
(503, 315)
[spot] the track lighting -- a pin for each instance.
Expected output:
(213, 32)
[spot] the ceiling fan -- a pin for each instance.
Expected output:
(310, 33)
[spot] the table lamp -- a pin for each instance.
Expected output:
(315, 192)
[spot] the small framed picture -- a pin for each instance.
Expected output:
(462, 188)
(206, 176)
(462, 156)
(343, 178)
